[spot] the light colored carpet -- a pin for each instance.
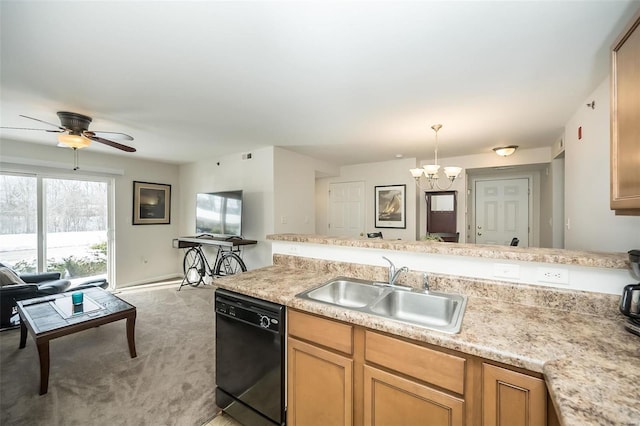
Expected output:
(94, 381)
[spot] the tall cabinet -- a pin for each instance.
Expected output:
(625, 120)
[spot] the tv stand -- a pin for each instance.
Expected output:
(208, 239)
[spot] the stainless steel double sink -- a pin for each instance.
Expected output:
(433, 310)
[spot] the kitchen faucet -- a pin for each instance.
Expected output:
(393, 273)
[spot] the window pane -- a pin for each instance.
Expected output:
(18, 222)
(76, 227)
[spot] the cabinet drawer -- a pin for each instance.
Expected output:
(428, 365)
(321, 331)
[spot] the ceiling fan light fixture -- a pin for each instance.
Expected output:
(505, 151)
(73, 141)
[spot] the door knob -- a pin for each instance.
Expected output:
(479, 227)
(479, 234)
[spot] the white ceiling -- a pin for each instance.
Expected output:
(347, 82)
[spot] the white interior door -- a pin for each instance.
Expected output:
(346, 209)
(502, 211)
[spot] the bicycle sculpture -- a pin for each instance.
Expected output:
(196, 266)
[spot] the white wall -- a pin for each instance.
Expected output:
(385, 173)
(255, 177)
(395, 172)
(478, 161)
(133, 244)
(592, 225)
(584, 171)
(557, 177)
(294, 196)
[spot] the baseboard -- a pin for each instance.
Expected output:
(150, 280)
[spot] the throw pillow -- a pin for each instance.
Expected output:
(8, 277)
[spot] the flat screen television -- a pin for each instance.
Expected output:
(219, 213)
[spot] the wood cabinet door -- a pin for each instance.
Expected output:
(512, 399)
(320, 386)
(395, 401)
(625, 120)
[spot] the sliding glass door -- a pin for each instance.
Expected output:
(19, 222)
(55, 224)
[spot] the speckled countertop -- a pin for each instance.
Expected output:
(591, 363)
(527, 254)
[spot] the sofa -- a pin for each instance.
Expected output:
(15, 287)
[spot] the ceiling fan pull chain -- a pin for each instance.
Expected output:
(75, 159)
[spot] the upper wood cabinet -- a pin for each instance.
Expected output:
(625, 120)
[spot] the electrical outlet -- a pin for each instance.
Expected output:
(553, 275)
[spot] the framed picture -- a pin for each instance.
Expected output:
(391, 206)
(151, 203)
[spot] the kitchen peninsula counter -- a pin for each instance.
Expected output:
(591, 364)
(525, 254)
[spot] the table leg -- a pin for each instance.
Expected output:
(43, 353)
(23, 334)
(131, 338)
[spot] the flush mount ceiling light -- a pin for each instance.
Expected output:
(505, 151)
(431, 171)
(73, 140)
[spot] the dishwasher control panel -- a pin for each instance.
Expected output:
(250, 312)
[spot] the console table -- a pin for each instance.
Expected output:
(185, 242)
(195, 265)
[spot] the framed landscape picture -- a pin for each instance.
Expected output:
(151, 203)
(390, 208)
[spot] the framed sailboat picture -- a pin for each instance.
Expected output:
(391, 206)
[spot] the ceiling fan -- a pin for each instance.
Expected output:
(74, 132)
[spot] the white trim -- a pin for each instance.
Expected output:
(7, 163)
(151, 280)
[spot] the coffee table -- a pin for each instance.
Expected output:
(50, 317)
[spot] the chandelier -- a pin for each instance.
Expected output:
(428, 177)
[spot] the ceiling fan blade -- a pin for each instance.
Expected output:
(113, 135)
(108, 142)
(60, 128)
(28, 128)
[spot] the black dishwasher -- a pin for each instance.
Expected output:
(250, 342)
